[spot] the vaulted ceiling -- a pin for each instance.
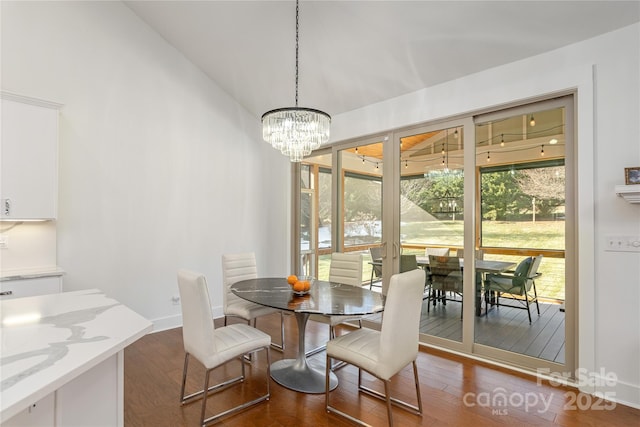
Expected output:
(356, 53)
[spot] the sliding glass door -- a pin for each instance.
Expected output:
(359, 185)
(522, 156)
(431, 220)
(490, 225)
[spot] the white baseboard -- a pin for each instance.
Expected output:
(175, 321)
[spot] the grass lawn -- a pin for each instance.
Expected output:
(523, 234)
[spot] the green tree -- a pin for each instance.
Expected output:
(501, 195)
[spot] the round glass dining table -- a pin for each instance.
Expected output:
(326, 298)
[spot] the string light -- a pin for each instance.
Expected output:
(362, 159)
(455, 134)
(511, 149)
(406, 164)
(559, 128)
(532, 122)
(356, 150)
(376, 165)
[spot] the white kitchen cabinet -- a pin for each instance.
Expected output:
(28, 159)
(94, 398)
(40, 413)
(18, 288)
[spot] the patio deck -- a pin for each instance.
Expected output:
(502, 327)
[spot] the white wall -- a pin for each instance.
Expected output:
(159, 169)
(605, 71)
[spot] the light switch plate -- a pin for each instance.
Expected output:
(622, 243)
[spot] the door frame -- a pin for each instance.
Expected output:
(391, 225)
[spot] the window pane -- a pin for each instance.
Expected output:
(523, 207)
(305, 177)
(432, 190)
(362, 209)
(324, 214)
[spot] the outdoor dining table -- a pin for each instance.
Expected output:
(482, 266)
(326, 298)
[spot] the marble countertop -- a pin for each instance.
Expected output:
(49, 340)
(30, 273)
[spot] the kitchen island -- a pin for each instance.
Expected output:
(62, 359)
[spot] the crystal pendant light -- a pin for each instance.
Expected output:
(296, 131)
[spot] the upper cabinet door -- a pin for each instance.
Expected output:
(29, 160)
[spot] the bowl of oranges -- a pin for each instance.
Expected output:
(300, 285)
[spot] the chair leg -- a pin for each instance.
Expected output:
(535, 294)
(327, 405)
(417, 381)
(387, 393)
(204, 397)
(184, 377)
(196, 395)
(280, 347)
(399, 403)
(326, 385)
(219, 387)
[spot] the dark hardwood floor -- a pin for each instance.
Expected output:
(456, 391)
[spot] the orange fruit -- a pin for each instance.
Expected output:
(292, 279)
(299, 286)
(306, 284)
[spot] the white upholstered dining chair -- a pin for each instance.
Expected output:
(345, 268)
(237, 267)
(214, 347)
(386, 352)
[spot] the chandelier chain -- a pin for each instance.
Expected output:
(296, 131)
(297, 45)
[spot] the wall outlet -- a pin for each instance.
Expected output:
(622, 243)
(4, 241)
(175, 299)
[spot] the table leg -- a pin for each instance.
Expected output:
(296, 374)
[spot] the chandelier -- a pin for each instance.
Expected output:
(296, 131)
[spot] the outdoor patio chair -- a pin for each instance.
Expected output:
(446, 276)
(520, 285)
(376, 269)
